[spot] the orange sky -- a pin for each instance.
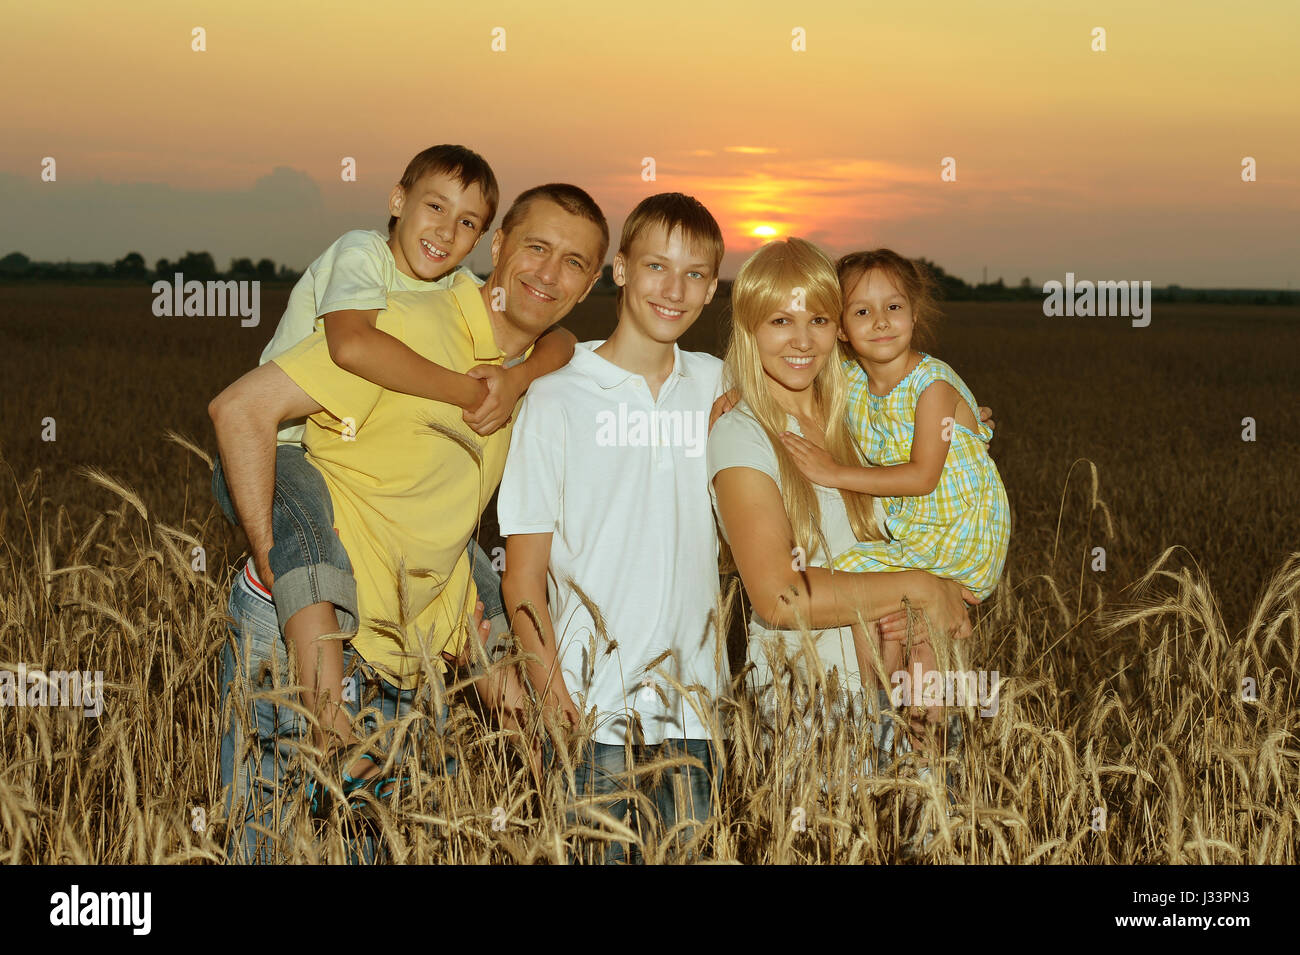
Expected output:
(1122, 164)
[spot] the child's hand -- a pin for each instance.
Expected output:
(816, 463)
(986, 415)
(493, 412)
(725, 403)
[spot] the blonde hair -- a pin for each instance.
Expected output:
(768, 282)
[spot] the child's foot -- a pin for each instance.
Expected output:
(317, 793)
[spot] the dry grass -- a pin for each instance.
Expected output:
(1156, 731)
(1120, 690)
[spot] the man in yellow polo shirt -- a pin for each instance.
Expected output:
(407, 478)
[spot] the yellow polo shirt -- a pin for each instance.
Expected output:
(406, 497)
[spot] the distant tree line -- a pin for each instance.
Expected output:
(201, 266)
(132, 267)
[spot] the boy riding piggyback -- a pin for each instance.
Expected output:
(444, 203)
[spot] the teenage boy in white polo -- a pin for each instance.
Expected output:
(605, 494)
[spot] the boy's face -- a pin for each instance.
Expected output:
(878, 319)
(666, 283)
(794, 345)
(438, 222)
(546, 265)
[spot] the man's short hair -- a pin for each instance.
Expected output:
(461, 163)
(571, 199)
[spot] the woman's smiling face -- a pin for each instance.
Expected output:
(794, 345)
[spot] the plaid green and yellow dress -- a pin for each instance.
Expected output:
(962, 528)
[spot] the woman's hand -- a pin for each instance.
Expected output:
(816, 463)
(947, 607)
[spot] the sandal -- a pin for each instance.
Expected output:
(318, 795)
(376, 787)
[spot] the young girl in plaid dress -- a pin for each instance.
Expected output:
(918, 427)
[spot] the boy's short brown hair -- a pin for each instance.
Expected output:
(674, 210)
(574, 201)
(466, 166)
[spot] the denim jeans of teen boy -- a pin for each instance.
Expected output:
(679, 794)
(262, 734)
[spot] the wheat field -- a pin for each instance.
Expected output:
(1161, 690)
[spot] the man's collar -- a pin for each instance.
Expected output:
(470, 299)
(609, 375)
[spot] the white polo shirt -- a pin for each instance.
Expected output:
(620, 480)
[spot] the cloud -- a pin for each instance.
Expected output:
(283, 215)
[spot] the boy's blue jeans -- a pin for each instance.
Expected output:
(307, 559)
(262, 735)
(680, 794)
(310, 565)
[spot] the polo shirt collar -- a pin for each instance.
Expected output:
(609, 375)
(470, 301)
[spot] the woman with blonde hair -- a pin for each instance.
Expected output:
(782, 530)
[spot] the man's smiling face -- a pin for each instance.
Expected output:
(546, 265)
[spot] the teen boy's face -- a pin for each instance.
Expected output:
(666, 283)
(546, 264)
(438, 222)
(878, 319)
(794, 345)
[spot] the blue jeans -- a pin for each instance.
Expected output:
(262, 734)
(310, 563)
(681, 794)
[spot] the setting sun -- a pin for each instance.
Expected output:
(764, 231)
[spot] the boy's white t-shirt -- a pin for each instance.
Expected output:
(632, 528)
(738, 440)
(356, 272)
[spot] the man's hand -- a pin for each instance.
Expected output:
(986, 415)
(498, 404)
(480, 628)
(724, 404)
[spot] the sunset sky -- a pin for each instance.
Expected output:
(1123, 164)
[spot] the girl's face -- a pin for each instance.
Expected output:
(794, 345)
(878, 319)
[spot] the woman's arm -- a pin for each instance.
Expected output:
(762, 542)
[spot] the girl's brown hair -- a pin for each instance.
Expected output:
(912, 277)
